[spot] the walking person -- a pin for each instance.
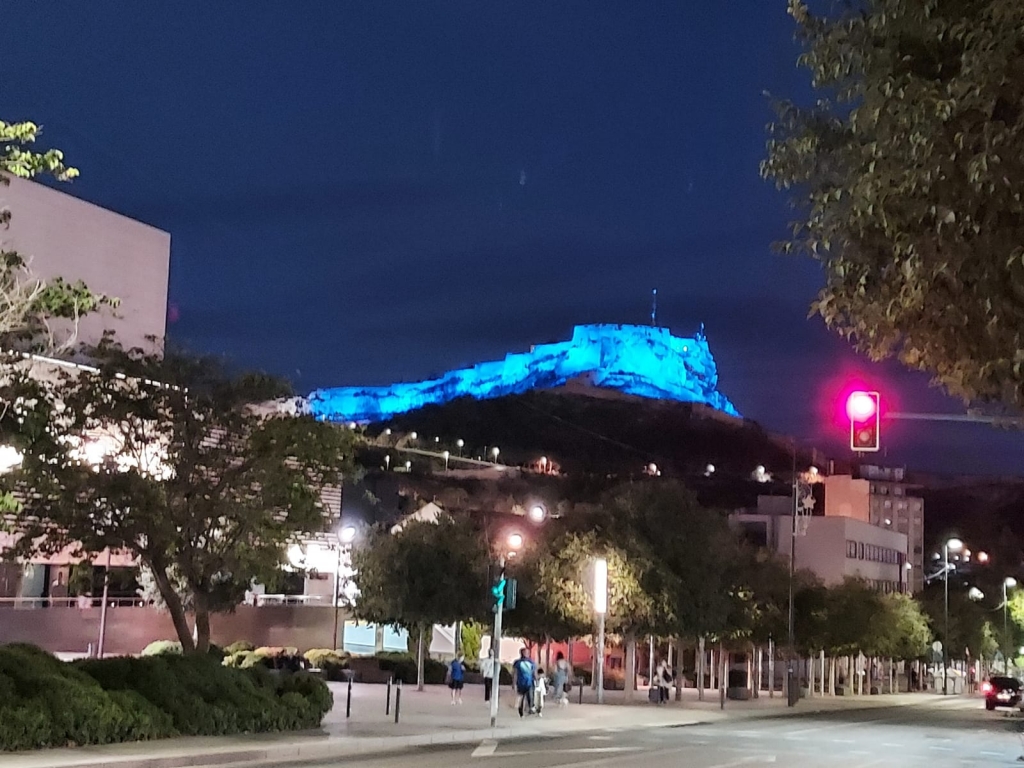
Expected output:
(456, 678)
(540, 690)
(489, 668)
(524, 673)
(663, 678)
(561, 680)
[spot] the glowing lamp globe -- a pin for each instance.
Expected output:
(860, 406)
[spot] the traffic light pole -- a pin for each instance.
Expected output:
(496, 649)
(791, 691)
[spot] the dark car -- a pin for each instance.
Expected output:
(1001, 692)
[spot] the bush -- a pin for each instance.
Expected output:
(160, 647)
(332, 663)
(47, 703)
(403, 667)
(238, 647)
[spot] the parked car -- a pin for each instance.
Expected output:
(1001, 692)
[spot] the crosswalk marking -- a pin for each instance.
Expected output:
(485, 749)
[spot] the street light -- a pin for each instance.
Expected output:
(538, 513)
(494, 452)
(1008, 583)
(346, 536)
(446, 455)
(600, 608)
(950, 545)
(460, 443)
(515, 541)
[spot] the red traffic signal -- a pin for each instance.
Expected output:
(865, 421)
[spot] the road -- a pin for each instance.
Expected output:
(946, 732)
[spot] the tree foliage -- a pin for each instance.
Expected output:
(907, 175)
(424, 573)
(31, 308)
(166, 458)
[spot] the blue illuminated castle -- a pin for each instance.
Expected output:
(632, 359)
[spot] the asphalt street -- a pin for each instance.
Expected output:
(950, 732)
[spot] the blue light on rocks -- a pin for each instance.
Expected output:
(632, 359)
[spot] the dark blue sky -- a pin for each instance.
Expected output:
(360, 193)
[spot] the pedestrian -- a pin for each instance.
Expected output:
(489, 668)
(562, 680)
(540, 690)
(663, 679)
(456, 676)
(523, 672)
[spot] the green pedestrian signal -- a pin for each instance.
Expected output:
(498, 590)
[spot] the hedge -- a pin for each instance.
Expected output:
(48, 703)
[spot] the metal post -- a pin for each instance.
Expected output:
(496, 648)
(790, 671)
(1006, 644)
(103, 609)
(650, 664)
(398, 699)
(945, 634)
(348, 699)
(337, 588)
(387, 704)
(600, 658)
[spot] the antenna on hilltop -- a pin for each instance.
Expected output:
(654, 308)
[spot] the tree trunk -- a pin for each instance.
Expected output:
(202, 633)
(419, 660)
(174, 607)
(702, 660)
(630, 682)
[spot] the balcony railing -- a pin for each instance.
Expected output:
(69, 602)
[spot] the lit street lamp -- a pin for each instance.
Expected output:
(600, 608)
(1008, 583)
(515, 542)
(446, 456)
(950, 545)
(460, 443)
(538, 513)
(494, 453)
(345, 538)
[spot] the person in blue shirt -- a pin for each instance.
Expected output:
(456, 678)
(524, 672)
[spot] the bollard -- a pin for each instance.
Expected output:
(387, 705)
(721, 698)
(348, 700)
(579, 682)
(398, 699)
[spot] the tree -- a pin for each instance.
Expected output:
(423, 573)
(29, 305)
(907, 173)
(167, 458)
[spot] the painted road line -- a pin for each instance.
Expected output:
(485, 749)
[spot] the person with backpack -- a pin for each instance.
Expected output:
(524, 672)
(663, 680)
(456, 678)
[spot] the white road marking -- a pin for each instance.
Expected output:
(485, 749)
(594, 750)
(939, 746)
(600, 738)
(746, 761)
(987, 753)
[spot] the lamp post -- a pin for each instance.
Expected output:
(515, 542)
(446, 455)
(600, 608)
(1008, 583)
(950, 545)
(345, 538)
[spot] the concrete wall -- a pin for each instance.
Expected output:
(67, 237)
(129, 630)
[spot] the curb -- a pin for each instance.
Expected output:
(327, 748)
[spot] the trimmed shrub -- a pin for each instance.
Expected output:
(403, 667)
(332, 663)
(47, 703)
(237, 647)
(159, 647)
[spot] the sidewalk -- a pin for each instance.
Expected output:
(428, 718)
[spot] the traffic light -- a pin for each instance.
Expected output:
(503, 591)
(865, 421)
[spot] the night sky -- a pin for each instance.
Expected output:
(363, 193)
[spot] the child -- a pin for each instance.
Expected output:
(540, 691)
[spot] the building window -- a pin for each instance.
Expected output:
(888, 504)
(851, 549)
(860, 551)
(897, 490)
